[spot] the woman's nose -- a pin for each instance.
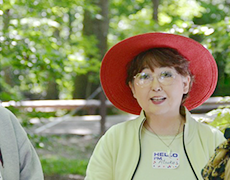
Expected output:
(156, 85)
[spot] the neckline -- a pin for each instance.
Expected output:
(149, 133)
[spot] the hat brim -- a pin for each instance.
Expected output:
(114, 72)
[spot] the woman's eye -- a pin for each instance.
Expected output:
(166, 74)
(144, 76)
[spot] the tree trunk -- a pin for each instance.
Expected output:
(6, 20)
(8, 72)
(80, 84)
(98, 25)
(102, 26)
(155, 9)
(52, 90)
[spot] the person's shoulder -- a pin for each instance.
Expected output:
(3, 109)
(5, 112)
(210, 132)
(201, 127)
(125, 127)
(208, 128)
(127, 124)
(7, 117)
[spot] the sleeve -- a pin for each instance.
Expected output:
(210, 138)
(30, 166)
(219, 137)
(29, 163)
(100, 166)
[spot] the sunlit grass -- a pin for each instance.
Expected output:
(60, 165)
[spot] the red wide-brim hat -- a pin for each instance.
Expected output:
(114, 68)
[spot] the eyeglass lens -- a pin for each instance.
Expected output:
(145, 79)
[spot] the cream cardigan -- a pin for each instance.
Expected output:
(117, 154)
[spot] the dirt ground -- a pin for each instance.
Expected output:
(68, 146)
(64, 177)
(72, 138)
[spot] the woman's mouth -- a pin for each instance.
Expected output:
(158, 100)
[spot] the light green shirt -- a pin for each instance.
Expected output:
(150, 143)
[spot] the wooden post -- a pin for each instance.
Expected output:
(101, 33)
(99, 26)
(102, 113)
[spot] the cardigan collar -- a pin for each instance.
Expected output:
(190, 124)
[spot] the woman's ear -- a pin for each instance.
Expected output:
(132, 89)
(186, 84)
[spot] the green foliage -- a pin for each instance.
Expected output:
(212, 13)
(181, 10)
(42, 41)
(36, 41)
(38, 141)
(128, 7)
(32, 113)
(222, 119)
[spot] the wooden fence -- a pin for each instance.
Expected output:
(92, 104)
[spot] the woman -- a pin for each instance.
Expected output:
(159, 77)
(18, 158)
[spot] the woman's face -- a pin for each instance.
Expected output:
(160, 92)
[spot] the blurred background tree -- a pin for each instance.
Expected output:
(53, 49)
